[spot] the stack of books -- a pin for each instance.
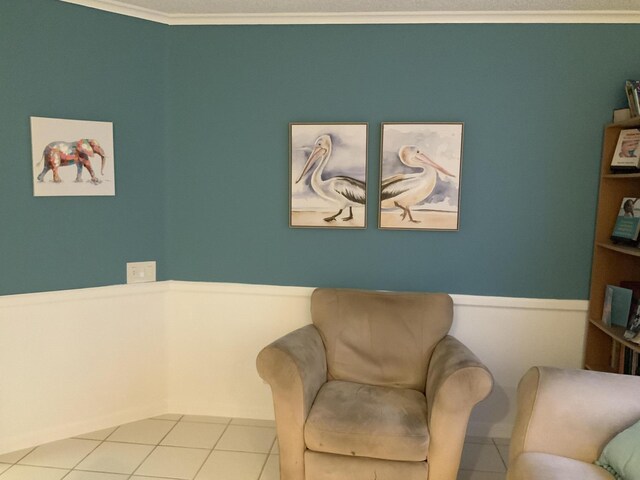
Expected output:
(622, 309)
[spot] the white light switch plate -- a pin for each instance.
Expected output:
(140, 272)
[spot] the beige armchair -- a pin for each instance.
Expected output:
(565, 418)
(375, 389)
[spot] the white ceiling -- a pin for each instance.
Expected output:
(373, 11)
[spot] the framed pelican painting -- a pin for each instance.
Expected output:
(328, 175)
(420, 166)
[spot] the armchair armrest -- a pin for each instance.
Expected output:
(456, 382)
(572, 413)
(295, 367)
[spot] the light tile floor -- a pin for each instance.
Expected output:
(191, 447)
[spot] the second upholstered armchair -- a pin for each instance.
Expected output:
(374, 389)
(565, 418)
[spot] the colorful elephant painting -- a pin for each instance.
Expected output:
(61, 154)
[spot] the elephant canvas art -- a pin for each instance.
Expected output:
(61, 154)
(58, 145)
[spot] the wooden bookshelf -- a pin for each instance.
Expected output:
(612, 263)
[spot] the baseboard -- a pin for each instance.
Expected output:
(220, 410)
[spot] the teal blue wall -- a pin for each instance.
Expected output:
(533, 99)
(201, 131)
(65, 61)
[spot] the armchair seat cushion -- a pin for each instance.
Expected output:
(368, 421)
(544, 466)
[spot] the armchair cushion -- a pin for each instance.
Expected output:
(361, 332)
(368, 421)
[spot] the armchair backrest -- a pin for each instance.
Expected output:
(380, 338)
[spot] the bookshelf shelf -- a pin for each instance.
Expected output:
(633, 251)
(605, 347)
(622, 176)
(616, 333)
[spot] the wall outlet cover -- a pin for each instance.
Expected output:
(141, 272)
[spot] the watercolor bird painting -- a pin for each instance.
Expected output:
(420, 176)
(328, 175)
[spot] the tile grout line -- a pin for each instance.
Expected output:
(49, 466)
(147, 476)
(83, 458)
(213, 448)
(154, 448)
(267, 459)
(504, 462)
(252, 426)
(155, 444)
(101, 442)
(36, 466)
(16, 462)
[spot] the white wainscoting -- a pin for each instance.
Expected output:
(216, 330)
(81, 360)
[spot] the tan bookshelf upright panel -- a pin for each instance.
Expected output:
(612, 263)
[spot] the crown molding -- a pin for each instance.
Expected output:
(406, 18)
(338, 18)
(120, 8)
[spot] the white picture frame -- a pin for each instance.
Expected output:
(72, 157)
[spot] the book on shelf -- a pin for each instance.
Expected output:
(632, 332)
(626, 158)
(631, 88)
(630, 364)
(627, 226)
(617, 303)
(624, 359)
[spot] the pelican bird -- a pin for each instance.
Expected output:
(341, 190)
(408, 189)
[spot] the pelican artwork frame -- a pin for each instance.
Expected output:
(328, 175)
(420, 173)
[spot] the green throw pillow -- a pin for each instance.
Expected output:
(621, 456)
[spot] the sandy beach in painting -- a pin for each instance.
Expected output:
(305, 218)
(428, 220)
